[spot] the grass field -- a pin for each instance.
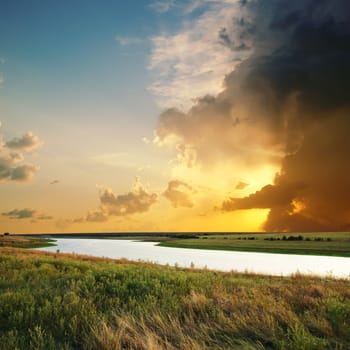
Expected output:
(24, 242)
(60, 301)
(336, 244)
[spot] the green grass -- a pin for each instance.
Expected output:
(60, 301)
(334, 244)
(24, 242)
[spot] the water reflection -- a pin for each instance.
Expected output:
(272, 264)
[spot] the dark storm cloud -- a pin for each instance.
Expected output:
(291, 96)
(270, 196)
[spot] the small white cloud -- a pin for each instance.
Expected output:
(128, 41)
(146, 140)
(162, 6)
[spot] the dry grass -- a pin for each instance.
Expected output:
(65, 301)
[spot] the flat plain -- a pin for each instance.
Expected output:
(323, 243)
(57, 301)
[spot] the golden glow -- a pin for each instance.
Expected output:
(297, 206)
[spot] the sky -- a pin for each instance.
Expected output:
(170, 115)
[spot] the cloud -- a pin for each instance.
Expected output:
(63, 223)
(97, 215)
(162, 6)
(136, 201)
(12, 152)
(127, 41)
(179, 194)
(10, 170)
(288, 103)
(26, 213)
(269, 196)
(20, 213)
(241, 185)
(26, 142)
(122, 205)
(193, 61)
(44, 217)
(310, 193)
(23, 172)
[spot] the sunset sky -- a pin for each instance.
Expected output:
(169, 115)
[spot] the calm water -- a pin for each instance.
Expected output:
(273, 264)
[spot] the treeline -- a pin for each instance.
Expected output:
(298, 238)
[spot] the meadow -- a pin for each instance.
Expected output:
(17, 241)
(61, 301)
(324, 243)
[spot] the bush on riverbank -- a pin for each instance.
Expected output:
(57, 301)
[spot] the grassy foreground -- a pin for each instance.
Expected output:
(61, 301)
(330, 243)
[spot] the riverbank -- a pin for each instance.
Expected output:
(323, 244)
(25, 241)
(55, 300)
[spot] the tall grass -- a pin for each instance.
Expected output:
(58, 301)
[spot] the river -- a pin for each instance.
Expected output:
(266, 263)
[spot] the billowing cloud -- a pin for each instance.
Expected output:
(288, 103)
(26, 142)
(23, 172)
(137, 201)
(12, 167)
(26, 213)
(179, 194)
(192, 62)
(268, 197)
